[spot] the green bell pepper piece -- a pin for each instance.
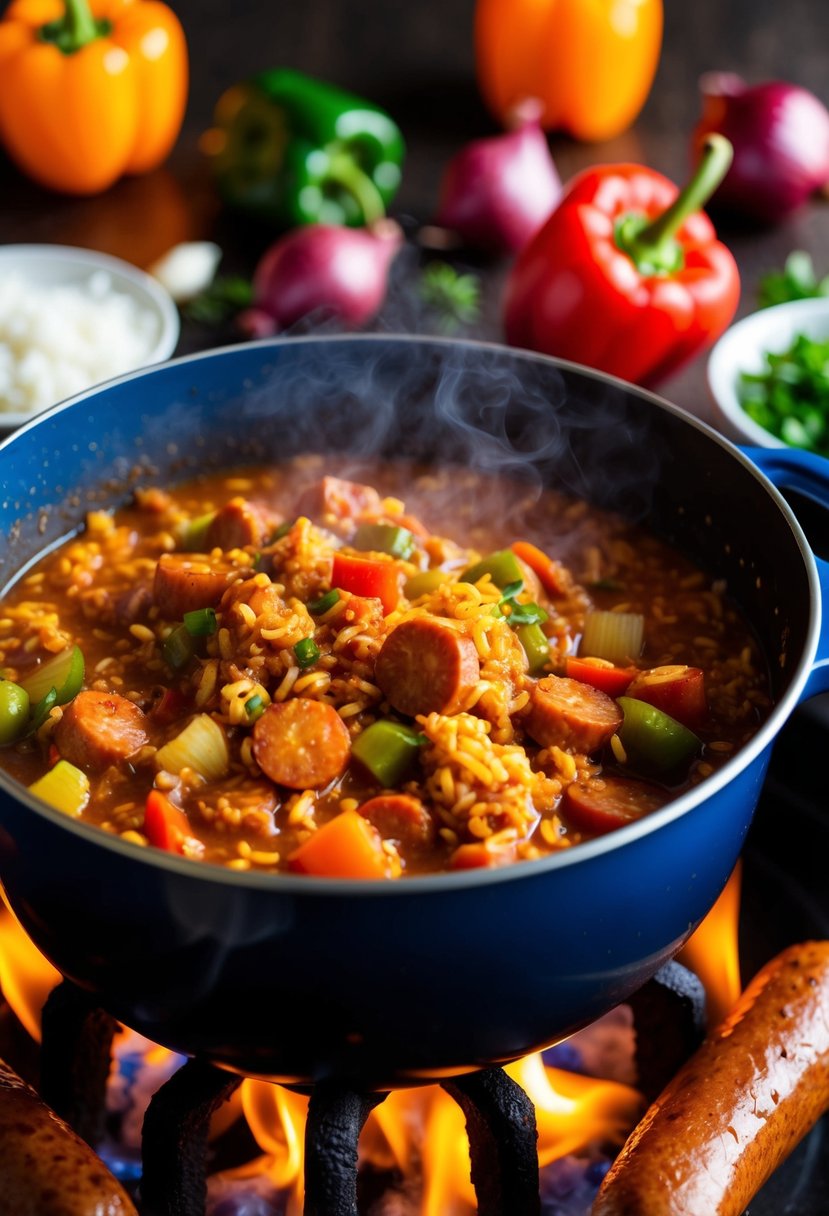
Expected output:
(14, 711)
(652, 739)
(424, 583)
(535, 644)
(388, 750)
(292, 150)
(502, 567)
(384, 538)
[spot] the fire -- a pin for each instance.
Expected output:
(713, 952)
(26, 978)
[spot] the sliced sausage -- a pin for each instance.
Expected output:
(602, 804)
(45, 1168)
(738, 1107)
(334, 496)
(300, 743)
(100, 728)
(400, 817)
(183, 583)
(426, 667)
(677, 690)
(236, 524)
(567, 713)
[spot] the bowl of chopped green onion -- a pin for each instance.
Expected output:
(769, 377)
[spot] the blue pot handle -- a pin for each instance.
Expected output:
(808, 474)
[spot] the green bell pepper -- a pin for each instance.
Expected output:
(293, 150)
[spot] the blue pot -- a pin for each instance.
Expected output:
(296, 978)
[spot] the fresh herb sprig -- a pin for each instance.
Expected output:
(454, 298)
(796, 281)
(790, 396)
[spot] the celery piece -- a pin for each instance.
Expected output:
(652, 738)
(388, 750)
(424, 583)
(201, 746)
(64, 672)
(384, 538)
(502, 567)
(64, 787)
(14, 711)
(615, 636)
(536, 646)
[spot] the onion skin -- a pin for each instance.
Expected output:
(326, 269)
(780, 135)
(497, 192)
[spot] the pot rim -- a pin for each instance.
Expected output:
(450, 881)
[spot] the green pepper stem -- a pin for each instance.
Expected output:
(80, 24)
(342, 171)
(651, 245)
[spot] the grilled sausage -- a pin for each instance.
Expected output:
(426, 667)
(335, 497)
(300, 743)
(45, 1168)
(738, 1107)
(100, 728)
(568, 713)
(184, 582)
(606, 803)
(236, 524)
(400, 817)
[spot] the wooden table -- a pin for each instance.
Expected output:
(417, 60)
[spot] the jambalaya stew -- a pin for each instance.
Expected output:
(284, 670)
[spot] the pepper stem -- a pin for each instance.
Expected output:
(75, 29)
(343, 172)
(651, 245)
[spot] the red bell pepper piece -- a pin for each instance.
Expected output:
(363, 576)
(627, 274)
(165, 825)
(600, 674)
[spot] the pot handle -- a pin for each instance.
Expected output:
(808, 474)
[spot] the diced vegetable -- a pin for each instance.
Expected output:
(324, 604)
(536, 646)
(42, 710)
(553, 576)
(362, 576)
(178, 647)
(14, 711)
(501, 566)
(201, 746)
(201, 622)
(388, 750)
(478, 857)
(64, 787)
(193, 534)
(652, 739)
(601, 674)
(255, 707)
(615, 636)
(165, 825)
(384, 538)
(64, 673)
(424, 583)
(676, 690)
(348, 846)
(307, 652)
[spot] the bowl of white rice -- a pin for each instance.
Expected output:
(71, 318)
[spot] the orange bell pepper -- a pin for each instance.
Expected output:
(89, 92)
(590, 63)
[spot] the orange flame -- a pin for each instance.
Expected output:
(26, 978)
(713, 953)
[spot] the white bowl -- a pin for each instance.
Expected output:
(45, 266)
(742, 349)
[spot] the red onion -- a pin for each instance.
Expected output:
(339, 272)
(780, 135)
(497, 192)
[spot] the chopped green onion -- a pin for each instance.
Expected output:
(178, 648)
(502, 567)
(424, 583)
(192, 536)
(615, 636)
(790, 396)
(14, 711)
(324, 603)
(202, 746)
(388, 750)
(64, 672)
(64, 787)
(254, 707)
(652, 739)
(535, 644)
(201, 622)
(42, 710)
(384, 538)
(307, 652)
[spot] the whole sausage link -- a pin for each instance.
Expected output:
(739, 1106)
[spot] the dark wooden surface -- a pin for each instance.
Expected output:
(417, 60)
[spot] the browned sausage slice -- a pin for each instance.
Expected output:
(602, 804)
(236, 524)
(334, 496)
(45, 1168)
(738, 1107)
(400, 817)
(100, 728)
(426, 667)
(301, 743)
(568, 713)
(184, 582)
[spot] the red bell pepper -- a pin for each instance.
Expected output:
(365, 577)
(627, 274)
(165, 825)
